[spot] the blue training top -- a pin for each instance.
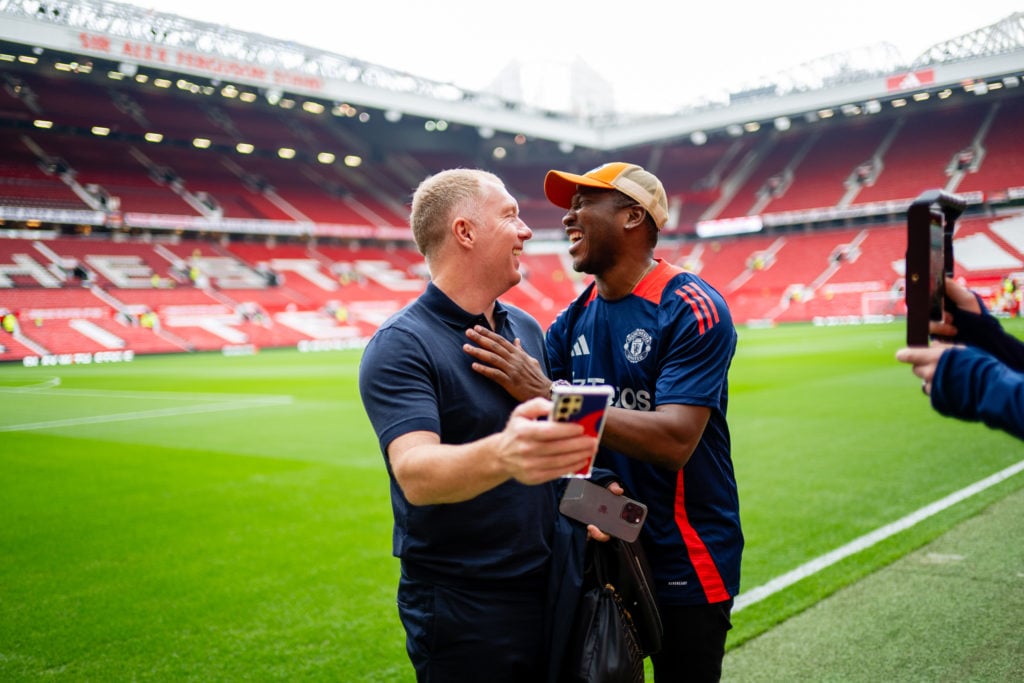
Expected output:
(415, 376)
(671, 341)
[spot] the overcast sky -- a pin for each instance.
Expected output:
(657, 55)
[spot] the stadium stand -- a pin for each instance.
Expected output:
(134, 218)
(695, 175)
(918, 156)
(995, 162)
(824, 176)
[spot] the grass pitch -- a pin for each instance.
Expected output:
(210, 518)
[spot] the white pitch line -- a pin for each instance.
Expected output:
(155, 395)
(39, 386)
(146, 414)
(755, 595)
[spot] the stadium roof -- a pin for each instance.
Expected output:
(853, 83)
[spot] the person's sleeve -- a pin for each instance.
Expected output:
(698, 331)
(973, 385)
(397, 387)
(985, 332)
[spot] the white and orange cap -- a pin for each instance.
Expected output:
(629, 179)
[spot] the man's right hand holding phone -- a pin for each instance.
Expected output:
(592, 530)
(925, 359)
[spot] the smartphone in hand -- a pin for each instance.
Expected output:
(591, 503)
(586, 405)
(931, 222)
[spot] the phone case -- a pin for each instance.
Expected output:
(585, 404)
(591, 503)
(931, 221)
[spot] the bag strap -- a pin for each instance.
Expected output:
(626, 567)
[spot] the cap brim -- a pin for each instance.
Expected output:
(559, 186)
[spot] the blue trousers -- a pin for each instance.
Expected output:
(473, 633)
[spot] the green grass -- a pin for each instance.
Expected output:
(832, 439)
(209, 518)
(950, 611)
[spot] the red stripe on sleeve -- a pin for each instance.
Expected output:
(705, 299)
(697, 311)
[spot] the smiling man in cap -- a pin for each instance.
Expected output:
(664, 339)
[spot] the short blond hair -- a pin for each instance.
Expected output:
(438, 198)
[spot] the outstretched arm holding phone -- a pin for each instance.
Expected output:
(980, 376)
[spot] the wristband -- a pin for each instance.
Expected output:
(557, 383)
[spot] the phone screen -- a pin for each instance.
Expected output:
(936, 268)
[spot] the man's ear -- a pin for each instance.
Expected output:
(464, 232)
(635, 217)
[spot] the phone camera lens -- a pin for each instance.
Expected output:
(632, 513)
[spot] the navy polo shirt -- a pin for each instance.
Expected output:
(414, 376)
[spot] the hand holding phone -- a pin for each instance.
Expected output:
(583, 404)
(613, 514)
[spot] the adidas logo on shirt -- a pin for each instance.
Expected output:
(580, 348)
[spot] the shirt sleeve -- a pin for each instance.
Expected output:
(397, 387)
(973, 385)
(700, 342)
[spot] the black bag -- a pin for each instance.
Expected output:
(632, 577)
(617, 622)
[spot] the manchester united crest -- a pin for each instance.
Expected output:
(637, 346)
